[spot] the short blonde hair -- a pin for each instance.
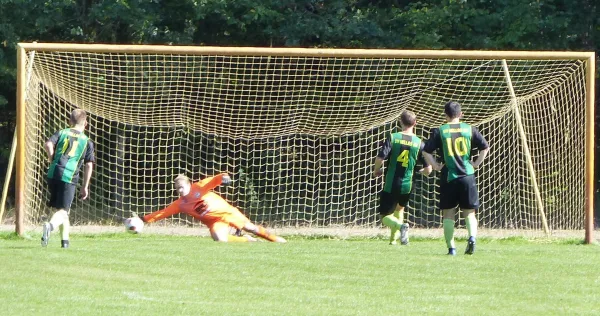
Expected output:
(181, 177)
(78, 117)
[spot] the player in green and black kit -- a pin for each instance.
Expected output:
(456, 140)
(67, 150)
(401, 150)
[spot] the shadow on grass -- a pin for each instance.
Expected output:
(12, 236)
(510, 240)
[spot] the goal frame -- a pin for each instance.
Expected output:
(587, 57)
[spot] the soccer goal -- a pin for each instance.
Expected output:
(298, 130)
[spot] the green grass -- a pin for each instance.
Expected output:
(176, 275)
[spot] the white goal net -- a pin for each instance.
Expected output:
(299, 132)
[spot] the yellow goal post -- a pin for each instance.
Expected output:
(299, 128)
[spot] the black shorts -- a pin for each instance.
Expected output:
(389, 201)
(61, 194)
(460, 192)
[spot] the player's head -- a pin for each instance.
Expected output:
(78, 118)
(182, 185)
(408, 119)
(452, 110)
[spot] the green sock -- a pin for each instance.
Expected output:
(400, 216)
(394, 235)
(392, 222)
(471, 222)
(449, 232)
(395, 232)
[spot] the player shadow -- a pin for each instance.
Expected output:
(17, 247)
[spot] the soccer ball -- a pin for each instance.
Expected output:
(134, 225)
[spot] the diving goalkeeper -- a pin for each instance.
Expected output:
(199, 201)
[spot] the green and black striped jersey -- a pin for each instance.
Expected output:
(401, 152)
(70, 146)
(456, 141)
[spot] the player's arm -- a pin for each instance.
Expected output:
(87, 175)
(170, 210)
(382, 155)
(88, 168)
(431, 160)
(434, 142)
(213, 182)
(427, 168)
(49, 146)
(479, 142)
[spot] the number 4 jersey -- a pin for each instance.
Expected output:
(456, 140)
(401, 152)
(70, 146)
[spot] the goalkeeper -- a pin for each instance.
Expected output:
(199, 201)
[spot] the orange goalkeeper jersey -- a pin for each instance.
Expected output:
(192, 204)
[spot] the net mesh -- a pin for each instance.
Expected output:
(299, 135)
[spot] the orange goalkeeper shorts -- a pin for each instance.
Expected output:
(216, 220)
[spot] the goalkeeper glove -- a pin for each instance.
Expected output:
(226, 180)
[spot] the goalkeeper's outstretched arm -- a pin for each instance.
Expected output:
(170, 210)
(213, 182)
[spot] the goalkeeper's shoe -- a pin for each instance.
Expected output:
(404, 234)
(452, 251)
(470, 246)
(46, 230)
(64, 243)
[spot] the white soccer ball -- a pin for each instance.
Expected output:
(134, 225)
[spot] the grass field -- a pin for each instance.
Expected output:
(118, 274)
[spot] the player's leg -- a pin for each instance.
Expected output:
(471, 223)
(220, 231)
(222, 218)
(262, 232)
(236, 219)
(65, 229)
(47, 228)
(58, 219)
(402, 203)
(387, 205)
(448, 204)
(395, 233)
(65, 201)
(469, 202)
(46, 231)
(61, 197)
(448, 216)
